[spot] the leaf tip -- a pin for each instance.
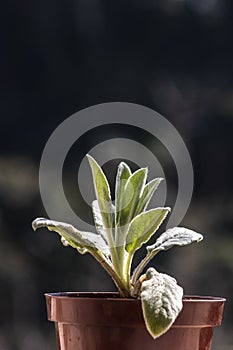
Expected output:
(90, 159)
(160, 179)
(37, 223)
(143, 170)
(123, 165)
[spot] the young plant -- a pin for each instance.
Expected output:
(121, 229)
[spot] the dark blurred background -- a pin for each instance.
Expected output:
(57, 57)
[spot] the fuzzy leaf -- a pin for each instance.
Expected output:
(148, 192)
(143, 226)
(77, 239)
(132, 192)
(99, 225)
(68, 242)
(161, 299)
(123, 173)
(102, 192)
(179, 236)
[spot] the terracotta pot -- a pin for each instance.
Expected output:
(104, 321)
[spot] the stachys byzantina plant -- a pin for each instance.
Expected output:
(122, 228)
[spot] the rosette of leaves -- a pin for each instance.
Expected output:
(122, 227)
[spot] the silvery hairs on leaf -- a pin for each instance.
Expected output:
(71, 236)
(179, 236)
(161, 299)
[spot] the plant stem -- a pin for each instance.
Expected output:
(141, 266)
(121, 253)
(127, 270)
(107, 266)
(113, 251)
(137, 286)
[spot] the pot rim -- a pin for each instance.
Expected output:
(116, 296)
(77, 308)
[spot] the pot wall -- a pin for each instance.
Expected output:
(99, 321)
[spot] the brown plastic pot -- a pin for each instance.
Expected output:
(104, 321)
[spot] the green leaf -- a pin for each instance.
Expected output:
(132, 192)
(77, 239)
(123, 173)
(161, 299)
(99, 225)
(102, 192)
(148, 192)
(179, 236)
(143, 226)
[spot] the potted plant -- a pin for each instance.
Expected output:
(149, 311)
